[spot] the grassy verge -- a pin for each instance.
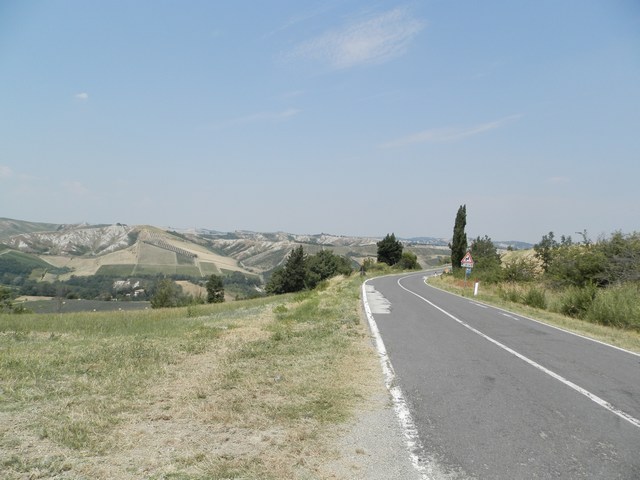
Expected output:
(249, 390)
(496, 295)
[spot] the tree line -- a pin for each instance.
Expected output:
(304, 272)
(597, 281)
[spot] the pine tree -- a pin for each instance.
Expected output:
(389, 250)
(458, 244)
(215, 289)
(295, 271)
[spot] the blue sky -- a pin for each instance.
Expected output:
(345, 117)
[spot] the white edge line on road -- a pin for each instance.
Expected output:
(478, 305)
(600, 401)
(543, 323)
(399, 403)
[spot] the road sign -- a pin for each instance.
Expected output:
(467, 261)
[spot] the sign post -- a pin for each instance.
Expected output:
(467, 262)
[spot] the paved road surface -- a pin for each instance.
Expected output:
(494, 395)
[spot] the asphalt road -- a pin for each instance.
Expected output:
(494, 395)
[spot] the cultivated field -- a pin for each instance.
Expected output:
(145, 258)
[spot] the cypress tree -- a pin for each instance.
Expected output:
(458, 244)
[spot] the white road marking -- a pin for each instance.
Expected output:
(478, 305)
(600, 401)
(399, 403)
(555, 327)
(511, 317)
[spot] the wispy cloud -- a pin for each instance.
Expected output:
(374, 40)
(82, 96)
(449, 134)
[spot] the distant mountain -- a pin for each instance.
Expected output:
(515, 245)
(123, 250)
(10, 227)
(428, 241)
(74, 240)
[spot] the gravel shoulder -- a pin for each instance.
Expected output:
(373, 446)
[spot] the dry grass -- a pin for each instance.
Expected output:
(249, 391)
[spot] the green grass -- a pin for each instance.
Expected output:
(141, 269)
(249, 389)
(116, 270)
(618, 306)
(192, 270)
(26, 259)
(208, 269)
(58, 305)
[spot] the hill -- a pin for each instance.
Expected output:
(121, 250)
(10, 228)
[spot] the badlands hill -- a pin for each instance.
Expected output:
(125, 250)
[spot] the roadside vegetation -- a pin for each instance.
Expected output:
(590, 287)
(512, 298)
(252, 389)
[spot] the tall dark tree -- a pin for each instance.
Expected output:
(296, 270)
(458, 244)
(325, 264)
(389, 250)
(215, 289)
(545, 249)
(291, 277)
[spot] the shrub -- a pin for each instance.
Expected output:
(509, 294)
(535, 297)
(617, 306)
(576, 301)
(408, 261)
(520, 269)
(488, 274)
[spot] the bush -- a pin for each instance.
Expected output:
(521, 270)
(576, 265)
(576, 301)
(488, 274)
(509, 294)
(408, 261)
(535, 298)
(616, 306)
